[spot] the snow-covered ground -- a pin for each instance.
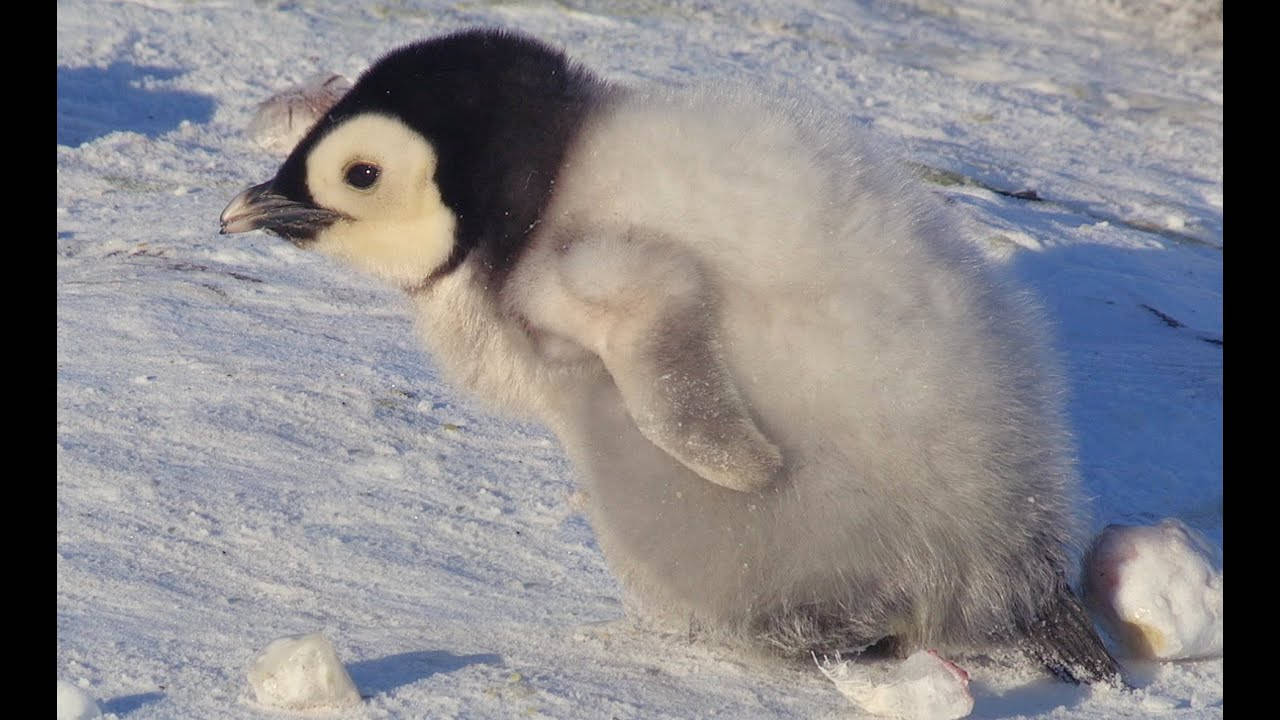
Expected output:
(251, 443)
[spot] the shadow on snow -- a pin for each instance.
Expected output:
(374, 677)
(93, 102)
(126, 704)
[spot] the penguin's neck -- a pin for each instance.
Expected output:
(489, 350)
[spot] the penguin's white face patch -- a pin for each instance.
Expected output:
(379, 173)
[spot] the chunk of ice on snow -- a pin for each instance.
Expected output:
(285, 117)
(1155, 588)
(922, 687)
(302, 672)
(75, 704)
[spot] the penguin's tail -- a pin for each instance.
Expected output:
(1062, 638)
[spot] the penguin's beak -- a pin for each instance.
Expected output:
(261, 208)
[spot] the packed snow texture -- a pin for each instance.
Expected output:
(922, 687)
(75, 704)
(252, 444)
(302, 672)
(1157, 590)
(283, 118)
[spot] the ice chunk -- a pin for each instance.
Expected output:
(1155, 588)
(302, 672)
(922, 687)
(75, 704)
(285, 117)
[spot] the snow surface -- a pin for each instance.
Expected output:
(251, 443)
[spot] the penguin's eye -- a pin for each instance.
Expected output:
(362, 175)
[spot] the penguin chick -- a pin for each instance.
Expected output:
(804, 412)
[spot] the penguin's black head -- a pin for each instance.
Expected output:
(444, 149)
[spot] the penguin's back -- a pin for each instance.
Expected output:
(928, 474)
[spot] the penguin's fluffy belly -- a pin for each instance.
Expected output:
(893, 518)
(690, 550)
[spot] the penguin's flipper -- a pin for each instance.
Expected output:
(1063, 639)
(678, 390)
(654, 324)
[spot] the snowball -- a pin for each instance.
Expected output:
(75, 704)
(922, 687)
(285, 117)
(1156, 590)
(302, 672)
